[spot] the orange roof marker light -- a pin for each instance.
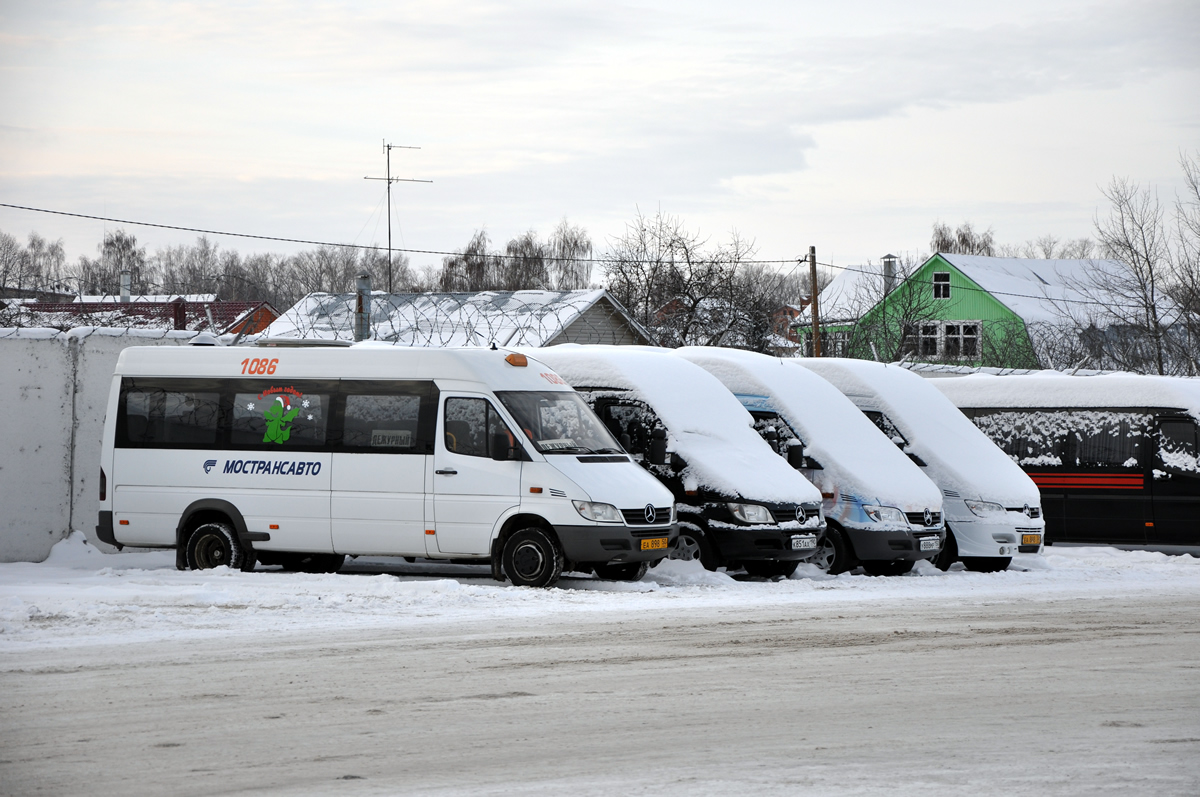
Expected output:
(519, 360)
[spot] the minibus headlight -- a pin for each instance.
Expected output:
(885, 514)
(601, 513)
(985, 508)
(751, 513)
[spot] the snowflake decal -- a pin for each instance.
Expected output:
(304, 404)
(310, 417)
(250, 406)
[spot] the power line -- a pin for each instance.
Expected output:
(315, 243)
(795, 262)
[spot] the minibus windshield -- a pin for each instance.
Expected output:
(559, 422)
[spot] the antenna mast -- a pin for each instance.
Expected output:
(387, 150)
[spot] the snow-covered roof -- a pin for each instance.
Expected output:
(1051, 389)
(149, 297)
(706, 425)
(854, 291)
(506, 318)
(958, 456)
(1035, 290)
(856, 457)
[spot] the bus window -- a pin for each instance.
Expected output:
(174, 418)
(382, 424)
(279, 416)
(470, 425)
(1177, 448)
(1105, 439)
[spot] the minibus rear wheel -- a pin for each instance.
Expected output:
(213, 544)
(834, 556)
(693, 545)
(626, 572)
(532, 558)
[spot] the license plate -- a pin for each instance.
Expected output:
(930, 543)
(654, 544)
(1031, 539)
(800, 543)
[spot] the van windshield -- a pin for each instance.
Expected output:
(559, 422)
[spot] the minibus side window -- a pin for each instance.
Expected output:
(382, 424)
(632, 421)
(279, 416)
(469, 426)
(171, 418)
(885, 425)
(1177, 449)
(1104, 439)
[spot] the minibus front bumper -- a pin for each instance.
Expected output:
(754, 543)
(616, 544)
(899, 545)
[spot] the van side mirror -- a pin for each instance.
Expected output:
(796, 458)
(502, 448)
(658, 447)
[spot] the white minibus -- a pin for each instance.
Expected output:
(992, 509)
(738, 504)
(299, 456)
(881, 510)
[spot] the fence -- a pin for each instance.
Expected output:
(54, 393)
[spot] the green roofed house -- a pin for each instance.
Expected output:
(960, 309)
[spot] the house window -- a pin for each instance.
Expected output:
(961, 340)
(833, 344)
(941, 284)
(928, 343)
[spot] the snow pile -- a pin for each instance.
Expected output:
(958, 456)
(705, 424)
(856, 458)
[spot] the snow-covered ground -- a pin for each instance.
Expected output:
(80, 596)
(1073, 673)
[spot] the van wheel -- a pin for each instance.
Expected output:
(834, 556)
(878, 567)
(693, 546)
(986, 564)
(949, 553)
(532, 558)
(770, 568)
(215, 544)
(628, 572)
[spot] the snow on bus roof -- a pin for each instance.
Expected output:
(706, 425)
(958, 456)
(855, 456)
(1053, 389)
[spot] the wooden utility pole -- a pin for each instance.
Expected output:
(816, 315)
(387, 150)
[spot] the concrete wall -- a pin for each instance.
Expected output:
(53, 395)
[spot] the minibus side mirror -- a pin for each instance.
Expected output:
(795, 457)
(658, 447)
(502, 448)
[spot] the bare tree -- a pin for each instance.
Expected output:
(962, 241)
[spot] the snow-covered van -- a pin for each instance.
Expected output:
(881, 510)
(299, 456)
(992, 509)
(1115, 456)
(738, 504)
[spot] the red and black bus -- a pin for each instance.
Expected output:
(1114, 456)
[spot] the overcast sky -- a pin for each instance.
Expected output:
(850, 126)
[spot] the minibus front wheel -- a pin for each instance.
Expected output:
(213, 544)
(835, 555)
(532, 558)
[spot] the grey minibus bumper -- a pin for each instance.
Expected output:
(890, 546)
(104, 529)
(614, 544)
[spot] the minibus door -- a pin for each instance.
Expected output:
(1176, 484)
(378, 487)
(470, 489)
